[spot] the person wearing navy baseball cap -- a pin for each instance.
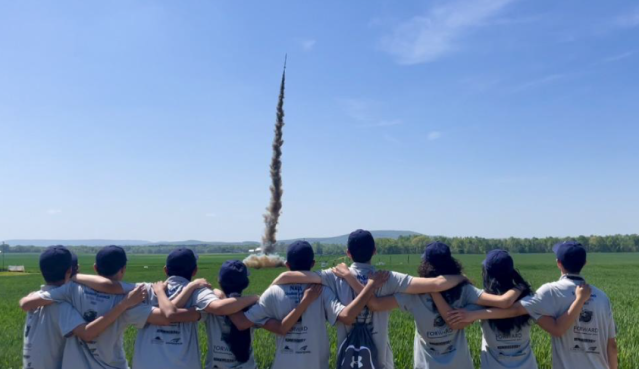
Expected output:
(282, 300)
(577, 315)
(360, 249)
(50, 326)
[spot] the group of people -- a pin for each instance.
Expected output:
(77, 321)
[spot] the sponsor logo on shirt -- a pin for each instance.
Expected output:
(295, 340)
(287, 350)
(90, 315)
(509, 337)
(175, 341)
(439, 333)
(585, 330)
(157, 341)
(585, 316)
(439, 322)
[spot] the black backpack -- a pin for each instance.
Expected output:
(358, 350)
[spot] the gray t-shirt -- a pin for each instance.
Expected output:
(306, 344)
(107, 350)
(506, 350)
(585, 345)
(219, 355)
(438, 346)
(45, 333)
(396, 283)
(174, 346)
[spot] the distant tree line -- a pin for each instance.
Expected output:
(402, 245)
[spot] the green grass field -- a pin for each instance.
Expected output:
(616, 274)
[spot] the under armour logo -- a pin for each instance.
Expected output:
(358, 362)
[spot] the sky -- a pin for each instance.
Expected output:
(153, 120)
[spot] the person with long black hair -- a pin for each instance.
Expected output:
(438, 345)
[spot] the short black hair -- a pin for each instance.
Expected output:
(110, 260)
(361, 245)
(55, 262)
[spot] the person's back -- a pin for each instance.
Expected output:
(173, 346)
(306, 345)
(219, 355)
(397, 282)
(585, 344)
(506, 350)
(45, 334)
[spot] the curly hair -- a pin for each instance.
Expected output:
(447, 267)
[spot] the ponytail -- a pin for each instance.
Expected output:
(239, 341)
(499, 286)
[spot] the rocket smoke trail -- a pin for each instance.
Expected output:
(275, 207)
(272, 216)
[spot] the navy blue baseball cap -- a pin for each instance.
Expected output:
(300, 255)
(437, 252)
(181, 262)
(571, 254)
(234, 276)
(55, 261)
(499, 263)
(361, 245)
(110, 260)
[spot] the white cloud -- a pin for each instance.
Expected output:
(387, 123)
(434, 135)
(539, 82)
(628, 20)
(308, 45)
(618, 57)
(54, 211)
(425, 38)
(210, 215)
(359, 109)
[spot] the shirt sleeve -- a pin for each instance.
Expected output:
(68, 319)
(539, 304)
(332, 306)
(260, 312)
(471, 294)
(406, 302)
(137, 316)
(63, 293)
(397, 283)
(128, 287)
(202, 298)
(328, 278)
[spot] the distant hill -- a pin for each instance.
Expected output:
(339, 240)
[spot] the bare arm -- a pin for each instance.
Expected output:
(283, 327)
(444, 309)
(374, 303)
(499, 301)
(90, 331)
(349, 313)
(613, 361)
(184, 296)
(419, 285)
(99, 283)
(294, 277)
(240, 321)
(231, 305)
(181, 316)
(33, 301)
(557, 327)
(463, 316)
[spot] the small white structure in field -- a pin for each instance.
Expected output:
(324, 264)
(146, 267)
(381, 263)
(251, 251)
(16, 268)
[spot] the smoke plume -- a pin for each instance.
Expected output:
(272, 215)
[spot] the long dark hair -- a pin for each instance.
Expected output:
(498, 285)
(239, 341)
(449, 266)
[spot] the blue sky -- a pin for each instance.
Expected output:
(153, 119)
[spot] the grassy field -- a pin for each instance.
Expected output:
(616, 274)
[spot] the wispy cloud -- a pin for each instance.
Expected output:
(392, 139)
(54, 211)
(615, 58)
(210, 215)
(308, 44)
(434, 135)
(551, 78)
(628, 20)
(359, 109)
(426, 38)
(385, 123)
